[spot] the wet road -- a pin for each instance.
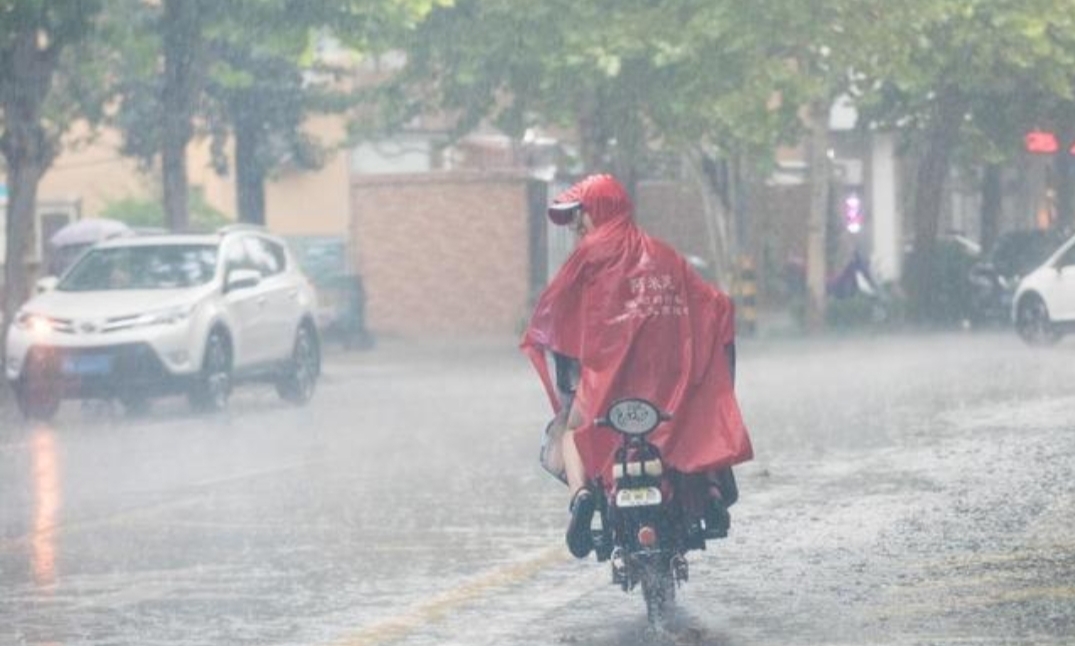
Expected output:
(913, 490)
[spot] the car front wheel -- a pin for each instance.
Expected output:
(297, 383)
(37, 400)
(212, 386)
(1033, 324)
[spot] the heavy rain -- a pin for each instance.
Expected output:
(268, 267)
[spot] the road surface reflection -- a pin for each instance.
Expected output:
(47, 503)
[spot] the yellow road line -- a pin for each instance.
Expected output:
(389, 630)
(956, 601)
(1041, 551)
(981, 580)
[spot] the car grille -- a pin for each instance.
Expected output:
(119, 323)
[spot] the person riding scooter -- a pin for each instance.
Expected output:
(640, 322)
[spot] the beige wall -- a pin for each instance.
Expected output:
(296, 202)
(311, 203)
(95, 174)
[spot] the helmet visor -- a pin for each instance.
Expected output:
(564, 212)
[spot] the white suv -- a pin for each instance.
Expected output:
(138, 317)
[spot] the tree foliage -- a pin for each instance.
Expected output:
(718, 83)
(255, 79)
(622, 75)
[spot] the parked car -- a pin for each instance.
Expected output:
(1043, 309)
(137, 317)
(947, 299)
(994, 279)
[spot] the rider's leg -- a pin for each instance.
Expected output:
(723, 492)
(573, 467)
(725, 481)
(579, 537)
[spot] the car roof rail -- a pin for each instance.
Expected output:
(240, 226)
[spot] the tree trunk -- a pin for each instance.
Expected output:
(174, 181)
(992, 195)
(624, 118)
(23, 178)
(27, 151)
(250, 175)
(738, 204)
(816, 261)
(940, 137)
(589, 137)
(182, 85)
(716, 220)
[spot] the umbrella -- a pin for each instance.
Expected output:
(88, 231)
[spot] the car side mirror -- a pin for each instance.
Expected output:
(242, 279)
(46, 284)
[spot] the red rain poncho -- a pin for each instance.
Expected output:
(642, 323)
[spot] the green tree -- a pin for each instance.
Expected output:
(635, 82)
(47, 82)
(262, 106)
(243, 71)
(719, 82)
(148, 213)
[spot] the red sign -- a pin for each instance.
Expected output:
(1041, 142)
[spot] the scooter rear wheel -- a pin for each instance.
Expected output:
(659, 590)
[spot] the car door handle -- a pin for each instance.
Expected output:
(261, 301)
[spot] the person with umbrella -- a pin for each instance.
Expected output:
(67, 244)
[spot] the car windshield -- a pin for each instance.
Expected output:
(142, 267)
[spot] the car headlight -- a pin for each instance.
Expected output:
(170, 316)
(35, 324)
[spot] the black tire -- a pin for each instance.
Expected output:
(37, 400)
(659, 591)
(135, 404)
(299, 380)
(1033, 324)
(212, 386)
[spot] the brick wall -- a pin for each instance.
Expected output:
(448, 253)
(442, 254)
